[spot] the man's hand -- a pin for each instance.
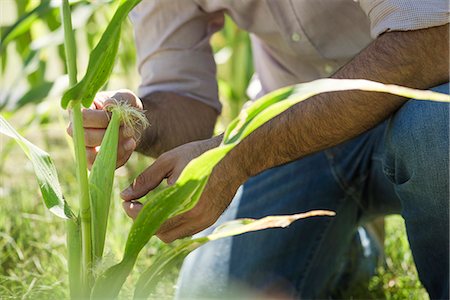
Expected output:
(96, 120)
(174, 120)
(216, 197)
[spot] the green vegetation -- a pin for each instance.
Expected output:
(28, 230)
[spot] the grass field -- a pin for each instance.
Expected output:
(32, 257)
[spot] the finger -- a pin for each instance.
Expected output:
(98, 104)
(127, 96)
(93, 137)
(173, 177)
(91, 154)
(197, 215)
(94, 118)
(100, 98)
(132, 208)
(125, 150)
(173, 223)
(182, 231)
(69, 129)
(147, 180)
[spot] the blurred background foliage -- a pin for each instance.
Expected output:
(32, 253)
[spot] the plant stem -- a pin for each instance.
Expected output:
(80, 154)
(69, 43)
(85, 207)
(74, 258)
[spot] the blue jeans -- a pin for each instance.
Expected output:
(400, 166)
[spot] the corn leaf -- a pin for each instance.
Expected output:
(173, 256)
(44, 170)
(253, 117)
(23, 24)
(257, 107)
(101, 59)
(185, 193)
(35, 95)
(101, 181)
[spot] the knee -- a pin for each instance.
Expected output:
(417, 139)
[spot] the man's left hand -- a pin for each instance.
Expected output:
(216, 197)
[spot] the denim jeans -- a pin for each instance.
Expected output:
(399, 167)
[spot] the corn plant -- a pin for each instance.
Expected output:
(86, 228)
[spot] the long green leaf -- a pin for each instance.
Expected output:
(44, 170)
(108, 284)
(101, 181)
(101, 59)
(257, 107)
(258, 114)
(35, 95)
(180, 197)
(173, 256)
(23, 24)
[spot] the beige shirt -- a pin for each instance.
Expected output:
(293, 40)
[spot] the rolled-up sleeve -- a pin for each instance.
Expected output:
(403, 15)
(173, 50)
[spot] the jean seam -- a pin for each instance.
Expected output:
(346, 188)
(315, 253)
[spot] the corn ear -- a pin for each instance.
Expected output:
(101, 181)
(101, 178)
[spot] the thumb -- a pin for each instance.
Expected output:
(146, 181)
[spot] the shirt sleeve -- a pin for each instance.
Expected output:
(173, 50)
(403, 15)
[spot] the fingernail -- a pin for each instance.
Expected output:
(129, 145)
(127, 192)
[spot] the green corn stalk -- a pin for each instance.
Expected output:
(80, 159)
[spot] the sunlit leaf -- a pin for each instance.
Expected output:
(173, 256)
(101, 59)
(44, 170)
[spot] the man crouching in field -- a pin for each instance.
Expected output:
(360, 154)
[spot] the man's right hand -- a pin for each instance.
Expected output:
(174, 120)
(96, 120)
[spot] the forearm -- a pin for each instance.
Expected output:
(416, 59)
(174, 120)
